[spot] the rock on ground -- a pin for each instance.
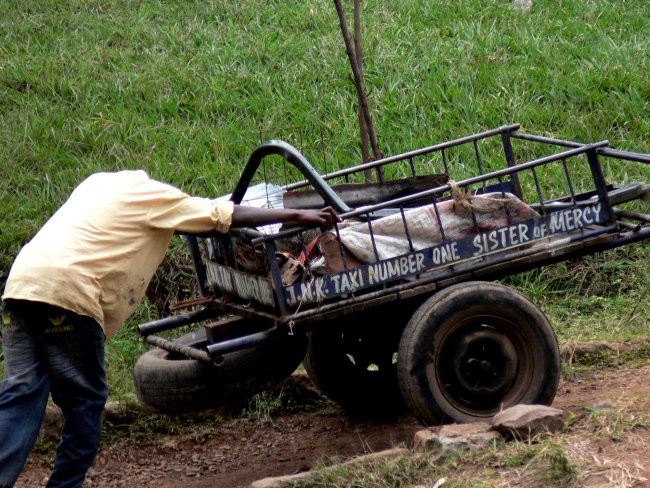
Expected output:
(455, 436)
(527, 421)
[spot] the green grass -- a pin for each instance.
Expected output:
(186, 90)
(601, 297)
(543, 463)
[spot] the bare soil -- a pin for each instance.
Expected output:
(608, 439)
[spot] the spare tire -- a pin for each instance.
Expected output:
(170, 382)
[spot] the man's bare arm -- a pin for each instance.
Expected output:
(244, 216)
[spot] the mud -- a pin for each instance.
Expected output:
(235, 453)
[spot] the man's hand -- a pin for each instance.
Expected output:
(244, 216)
(324, 218)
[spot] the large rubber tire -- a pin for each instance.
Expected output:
(353, 361)
(172, 383)
(475, 348)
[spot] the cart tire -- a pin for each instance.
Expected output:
(353, 362)
(473, 349)
(172, 383)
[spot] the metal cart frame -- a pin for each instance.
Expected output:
(573, 224)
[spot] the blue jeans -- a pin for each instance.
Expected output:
(49, 349)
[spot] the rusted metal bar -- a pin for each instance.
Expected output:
(477, 154)
(510, 161)
(372, 239)
(568, 179)
(632, 215)
(439, 220)
(199, 266)
(406, 229)
(627, 225)
(538, 188)
(188, 351)
(603, 151)
(192, 303)
(444, 161)
(601, 185)
(357, 194)
(505, 207)
(626, 155)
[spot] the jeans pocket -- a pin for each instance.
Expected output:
(58, 323)
(8, 323)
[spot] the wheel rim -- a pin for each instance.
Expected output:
(482, 364)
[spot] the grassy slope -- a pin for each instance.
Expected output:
(186, 90)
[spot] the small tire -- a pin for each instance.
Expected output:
(353, 361)
(475, 348)
(172, 383)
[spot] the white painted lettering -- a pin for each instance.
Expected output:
(345, 283)
(318, 288)
(493, 241)
(404, 265)
(373, 275)
(512, 234)
(568, 218)
(478, 244)
(557, 223)
(336, 281)
(291, 299)
(454, 251)
(523, 233)
(420, 260)
(577, 217)
(503, 236)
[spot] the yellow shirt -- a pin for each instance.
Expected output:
(98, 252)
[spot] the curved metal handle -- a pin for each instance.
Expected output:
(293, 156)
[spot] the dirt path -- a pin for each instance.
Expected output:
(235, 454)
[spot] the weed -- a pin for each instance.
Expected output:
(560, 470)
(262, 408)
(617, 421)
(265, 406)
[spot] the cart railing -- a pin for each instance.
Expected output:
(409, 157)
(579, 214)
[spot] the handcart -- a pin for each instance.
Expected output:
(396, 307)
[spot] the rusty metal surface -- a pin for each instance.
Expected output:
(358, 194)
(172, 346)
(195, 302)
